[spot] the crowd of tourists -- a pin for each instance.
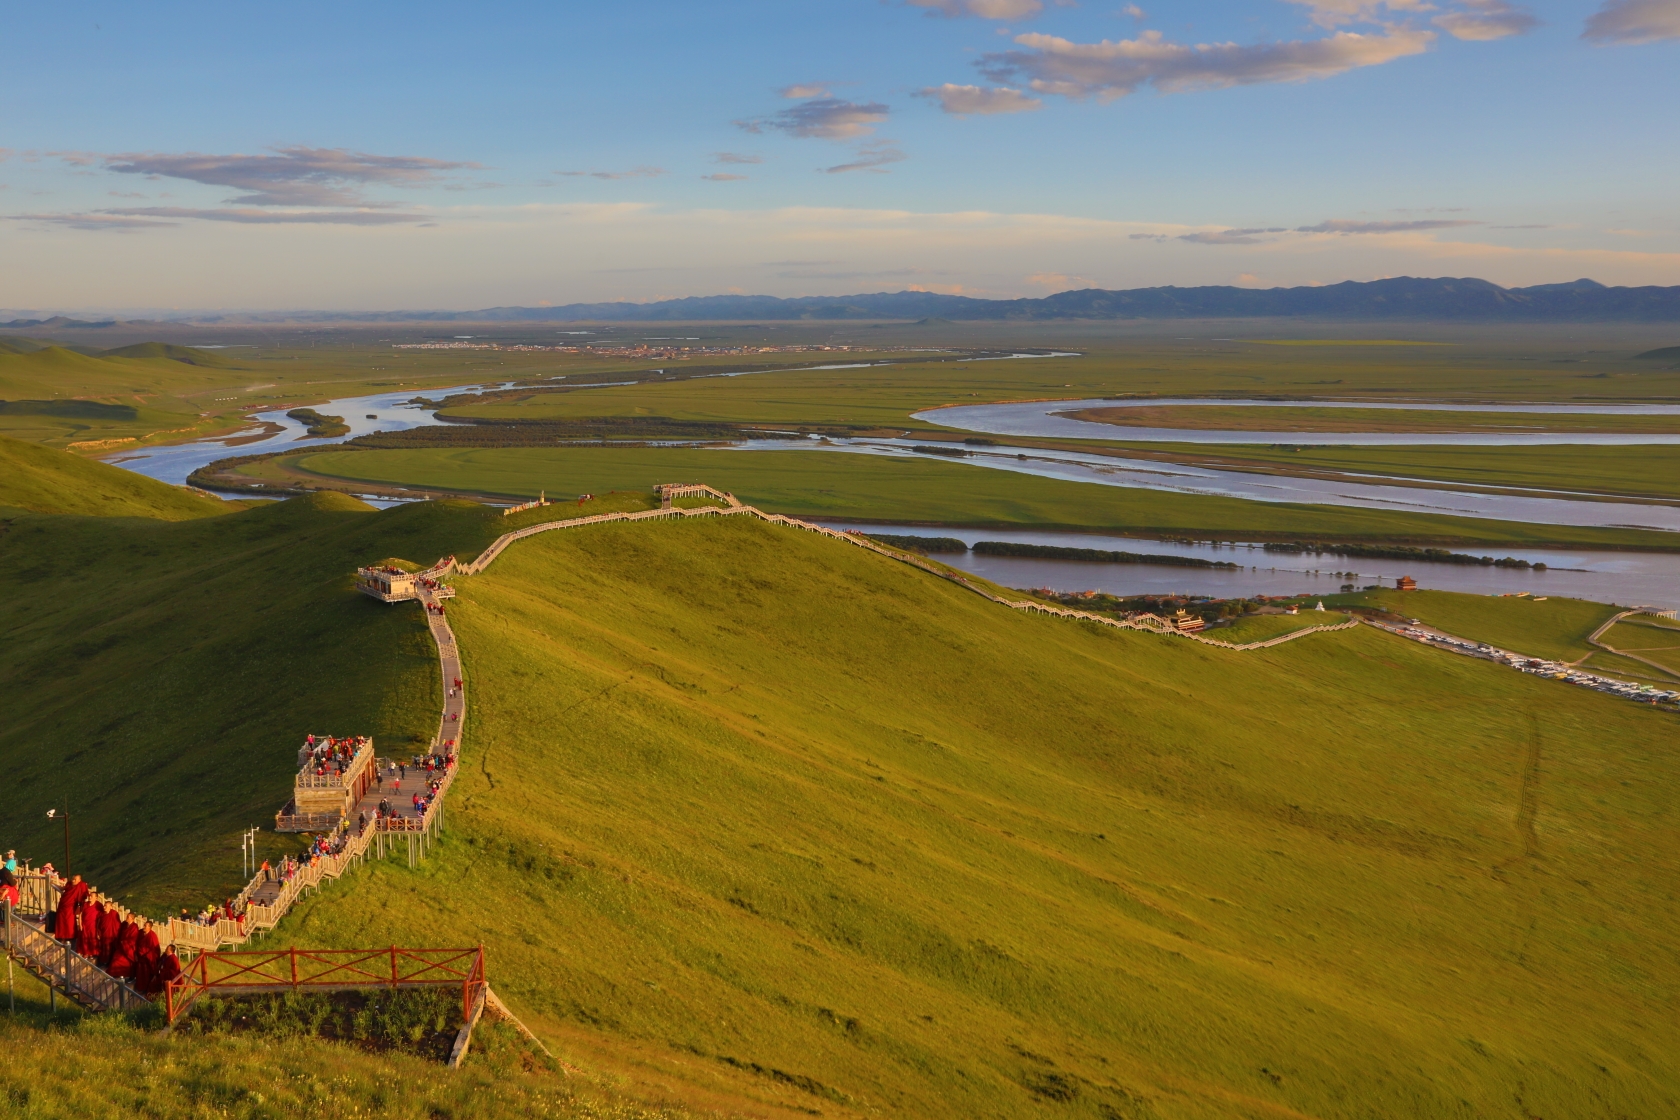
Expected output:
(125, 945)
(327, 753)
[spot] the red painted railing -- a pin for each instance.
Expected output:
(286, 970)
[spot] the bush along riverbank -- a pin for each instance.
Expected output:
(1096, 555)
(1397, 552)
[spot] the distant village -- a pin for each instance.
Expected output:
(638, 351)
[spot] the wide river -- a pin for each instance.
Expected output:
(1606, 576)
(1038, 418)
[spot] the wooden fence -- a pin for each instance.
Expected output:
(291, 970)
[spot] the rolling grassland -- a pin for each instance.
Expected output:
(922, 490)
(746, 815)
(755, 823)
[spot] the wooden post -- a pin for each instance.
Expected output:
(294, 968)
(393, 966)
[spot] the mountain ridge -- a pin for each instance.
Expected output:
(1463, 299)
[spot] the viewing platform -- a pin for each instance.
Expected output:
(333, 774)
(388, 585)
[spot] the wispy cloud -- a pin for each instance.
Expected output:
(1629, 22)
(1486, 20)
(736, 158)
(803, 92)
(826, 118)
(633, 173)
(1108, 70)
(1338, 225)
(129, 218)
(723, 177)
(1135, 12)
(985, 9)
(293, 176)
(964, 101)
(110, 223)
(1226, 236)
(870, 157)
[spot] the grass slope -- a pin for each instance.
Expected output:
(187, 354)
(45, 480)
(920, 490)
(748, 812)
(1555, 628)
(167, 672)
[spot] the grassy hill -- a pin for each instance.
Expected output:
(749, 813)
(190, 355)
(758, 823)
(45, 480)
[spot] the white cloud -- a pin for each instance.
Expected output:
(870, 157)
(736, 158)
(1135, 12)
(979, 100)
(985, 9)
(1107, 70)
(723, 177)
(1340, 13)
(1626, 22)
(633, 173)
(1486, 20)
(826, 118)
(801, 92)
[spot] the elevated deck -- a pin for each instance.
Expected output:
(333, 774)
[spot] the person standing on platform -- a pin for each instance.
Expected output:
(8, 886)
(169, 967)
(69, 908)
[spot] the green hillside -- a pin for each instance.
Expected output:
(754, 822)
(171, 352)
(747, 811)
(43, 480)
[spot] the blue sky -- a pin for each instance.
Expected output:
(450, 155)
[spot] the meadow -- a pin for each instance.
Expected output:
(751, 821)
(1553, 628)
(918, 490)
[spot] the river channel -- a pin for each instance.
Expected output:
(1647, 579)
(1039, 418)
(1604, 576)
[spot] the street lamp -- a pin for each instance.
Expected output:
(52, 813)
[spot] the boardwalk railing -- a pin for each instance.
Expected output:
(290, 970)
(66, 970)
(1146, 623)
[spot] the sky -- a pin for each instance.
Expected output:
(376, 156)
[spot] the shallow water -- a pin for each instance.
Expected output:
(1074, 466)
(1607, 577)
(1036, 418)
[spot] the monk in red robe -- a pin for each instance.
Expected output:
(169, 967)
(110, 925)
(146, 962)
(87, 930)
(128, 946)
(69, 906)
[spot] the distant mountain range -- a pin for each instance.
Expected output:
(1462, 300)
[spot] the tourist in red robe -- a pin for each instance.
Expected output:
(87, 930)
(128, 945)
(110, 925)
(69, 905)
(146, 962)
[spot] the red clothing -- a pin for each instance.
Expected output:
(69, 904)
(146, 964)
(128, 944)
(110, 925)
(168, 969)
(87, 931)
